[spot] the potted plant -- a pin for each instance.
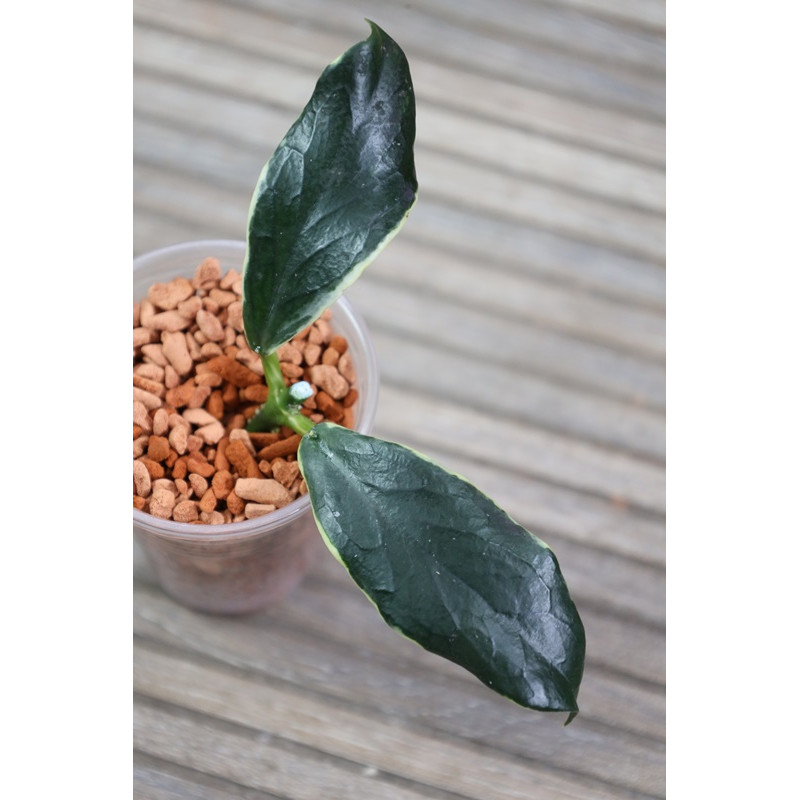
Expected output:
(441, 562)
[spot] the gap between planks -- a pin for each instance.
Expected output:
(387, 675)
(338, 731)
(574, 76)
(155, 778)
(639, 754)
(491, 190)
(177, 90)
(256, 759)
(551, 25)
(283, 43)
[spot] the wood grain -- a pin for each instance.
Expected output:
(332, 730)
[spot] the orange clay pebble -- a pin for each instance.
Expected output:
(235, 504)
(215, 405)
(234, 372)
(212, 432)
(253, 510)
(157, 448)
(179, 439)
(262, 490)
(242, 459)
(149, 385)
(141, 479)
(311, 353)
(331, 356)
(339, 343)
(285, 471)
(154, 469)
(281, 448)
(208, 502)
(346, 369)
(243, 436)
(167, 296)
(162, 502)
(221, 463)
(207, 273)
(160, 422)
(185, 511)
(222, 484)
(328, 378)
(198, 483)
(196, 463)
(263, 438)
(350, 398)
(257, 393)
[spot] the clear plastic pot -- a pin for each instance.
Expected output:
(241, 567)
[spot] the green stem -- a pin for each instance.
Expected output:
(279, 408)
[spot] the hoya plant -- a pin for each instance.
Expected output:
(442, 563)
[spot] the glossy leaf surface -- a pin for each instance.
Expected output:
(446, 567)
(337, 189)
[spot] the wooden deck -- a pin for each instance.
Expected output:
(533, 263)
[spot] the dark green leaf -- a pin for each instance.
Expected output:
(446, 567)
(337, 189)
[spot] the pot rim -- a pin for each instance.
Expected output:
(274, 520)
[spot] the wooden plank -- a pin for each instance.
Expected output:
(314, 722)
(479, 50)
(518, 346)
(537, 111)
(172, 92)
(462, 183)
(650, 14)
(156, 779)
(444, 275)
(576, 265)
(526, 450)
(187, 200)
(252, 756)
(280, 43)
(419, 33)
(525, 154)
(553, 25)
(398, 679)
(586, 269)
(627, 639)
(151, 231)
(497, 389)
(477, 188)
(444, 708)
(491, 283)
